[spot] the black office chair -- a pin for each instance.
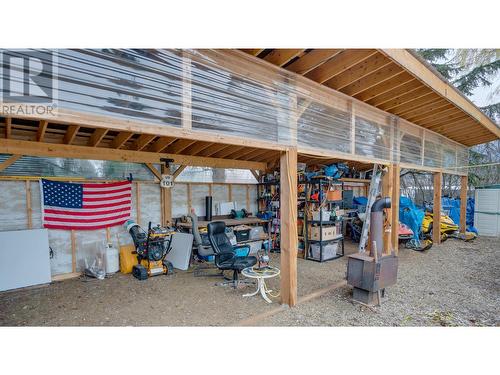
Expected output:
(225, 253)
(201, 249)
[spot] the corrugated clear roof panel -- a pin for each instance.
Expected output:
(113, 170)
(214, 175)
(75, 168)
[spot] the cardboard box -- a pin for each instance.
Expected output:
(334, 195)
(329, 233)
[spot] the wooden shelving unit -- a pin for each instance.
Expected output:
(322, 205)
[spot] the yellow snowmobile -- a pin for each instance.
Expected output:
(448, 228)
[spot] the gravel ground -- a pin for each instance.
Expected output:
(454, 284)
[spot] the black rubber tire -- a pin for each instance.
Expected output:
(140, 272)
(169, 266)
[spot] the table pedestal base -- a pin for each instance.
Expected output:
(261, 287)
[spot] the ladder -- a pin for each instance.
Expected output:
(372, 195)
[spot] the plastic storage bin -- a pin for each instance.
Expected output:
(329, 250)
(325, 215)
(242, 235)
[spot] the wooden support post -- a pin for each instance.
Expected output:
(73, 251)
(108, 235)
(396, 171)
(138, 202)
(229, 193)
(387, 181)
(288, 228)
(463, 203)
(189, 197)
(255, 174)
(41, 130)
(8, 127)
(166, 199)
(28, 204)
(153, 170)
(436, 227)
(178, 171)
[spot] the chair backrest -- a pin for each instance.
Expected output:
(218, 238)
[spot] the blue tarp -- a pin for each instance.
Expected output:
(412, 216)
(452, 205)
(361, 201)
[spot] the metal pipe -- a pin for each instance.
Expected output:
(377, 225)
(380, 204)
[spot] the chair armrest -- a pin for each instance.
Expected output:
(223, 257)
(242, 247)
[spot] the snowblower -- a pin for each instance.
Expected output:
(151, 248)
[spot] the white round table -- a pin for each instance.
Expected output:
(260, 274)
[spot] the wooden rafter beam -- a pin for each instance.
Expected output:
(312, 59)
(405, 98)
(262, 155)
(417, 105)
(430, 111)
(373, 79)
(434, 112)
(197, 147)
(358, 71)
(161, 144)
(42, 127)
(465, 123)
(11, 146)
(447, 121)
(71, 134)
(153, 170)
(281, 56)
(120, 139)
(7, 163)
(446, 118)
(339, 64)
(226, 151)
(243, 154)
(253, 51)
(143, 141)
(213, 150)
(384, 87)
(427, 76)
(8, 127)
(97, 137)
(179, 146)
(396, 92)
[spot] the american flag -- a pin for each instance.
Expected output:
(85, 206)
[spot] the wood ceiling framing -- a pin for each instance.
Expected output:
(99, 140)
(382, 78)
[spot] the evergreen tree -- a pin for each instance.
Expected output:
(467, 70)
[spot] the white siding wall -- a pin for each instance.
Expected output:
(13, 215)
